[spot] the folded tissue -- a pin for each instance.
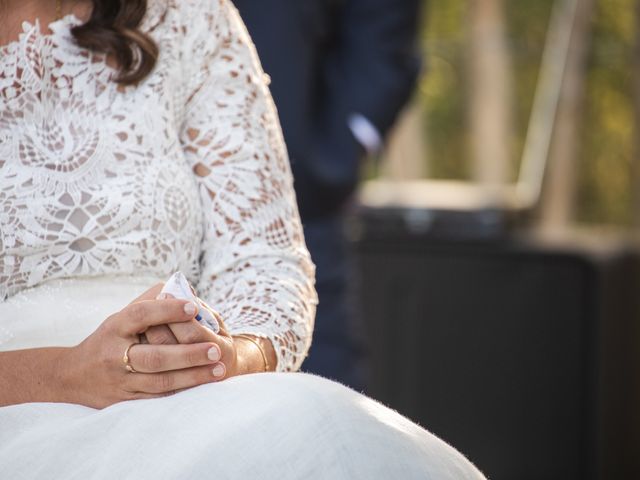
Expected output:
(179, 287)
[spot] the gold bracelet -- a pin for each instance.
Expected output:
(264, 356)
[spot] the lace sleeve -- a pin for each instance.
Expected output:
(255, 268)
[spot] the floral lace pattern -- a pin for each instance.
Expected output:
(187, 171)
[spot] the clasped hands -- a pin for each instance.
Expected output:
(169, 351)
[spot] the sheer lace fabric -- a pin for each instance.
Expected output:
(186, 171)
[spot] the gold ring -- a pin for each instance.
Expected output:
(126, 359)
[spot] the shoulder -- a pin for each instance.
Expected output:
(189, 26)
(205, 19)
(193, 10)
(207, 23)
(188, 12)
(178, 18)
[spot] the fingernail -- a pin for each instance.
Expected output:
(214, 354)
(162, 296)
(219, 370)
(190, 308)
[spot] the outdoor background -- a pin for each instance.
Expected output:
(511, 327)
(442, 135)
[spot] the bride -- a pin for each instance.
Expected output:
(137, 140)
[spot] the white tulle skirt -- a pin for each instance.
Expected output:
(263, 426)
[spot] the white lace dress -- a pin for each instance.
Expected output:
(105, 191)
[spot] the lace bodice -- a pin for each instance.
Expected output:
(186, 171)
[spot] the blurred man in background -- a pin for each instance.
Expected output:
(341, 71)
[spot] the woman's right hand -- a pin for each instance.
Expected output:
(96, 375)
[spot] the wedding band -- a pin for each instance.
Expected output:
(126, 359)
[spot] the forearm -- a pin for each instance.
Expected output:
(34, 375)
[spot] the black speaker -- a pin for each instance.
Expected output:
(523, 354)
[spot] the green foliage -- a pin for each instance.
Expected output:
(607, 130)
(527, 23)
(443, 86)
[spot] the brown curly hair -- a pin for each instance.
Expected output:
(113, 29)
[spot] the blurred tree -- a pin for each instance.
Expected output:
(490, 93)
(635, 163)
(607, 133)
(443, 87)
(558, 205)
(601, 138)
(448, 84)
(408, 142)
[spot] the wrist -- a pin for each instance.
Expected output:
(65, 376)
(34, 375)
(254, 354)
